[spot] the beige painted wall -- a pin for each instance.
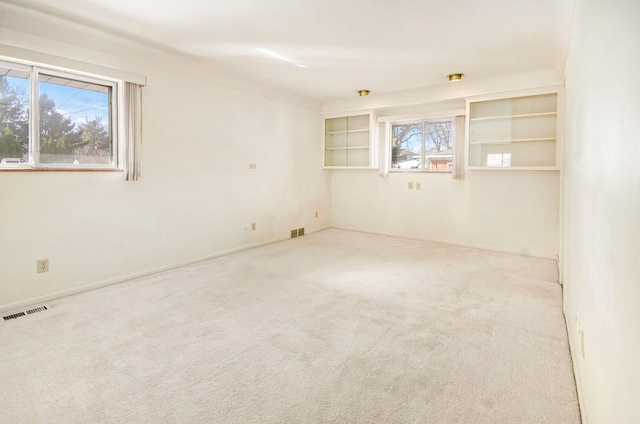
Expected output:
(201, 129)
(601, 249)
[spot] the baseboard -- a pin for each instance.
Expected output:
(449, 243)
(48, 297)
(576, 375)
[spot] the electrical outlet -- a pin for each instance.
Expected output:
(42, 265)
(253, 226)
(410, 184)
(252, 166)
(316, 214)
(418, 186)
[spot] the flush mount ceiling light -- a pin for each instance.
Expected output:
(455, 77)
(363, 92)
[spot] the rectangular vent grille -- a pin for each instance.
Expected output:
(38, 309)
(14, 316)
(294, 233)
(300, 232)
(24, 313)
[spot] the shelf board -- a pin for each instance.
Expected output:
(523, 115)
(346, 131)
(346, 148)
(347, 167)
(514, 140)
(514, 168)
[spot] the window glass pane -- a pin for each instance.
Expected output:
(14, 115)
(438, 145)
(74, 122)
(406, 145)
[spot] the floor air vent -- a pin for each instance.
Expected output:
(24, 313)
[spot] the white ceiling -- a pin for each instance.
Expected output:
(329, 49)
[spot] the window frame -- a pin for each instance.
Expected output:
(33, 163)
(423, 120)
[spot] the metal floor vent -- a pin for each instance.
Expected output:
(24, 313)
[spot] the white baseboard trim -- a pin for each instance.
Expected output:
(449, 243)
(121, 279)
(576, 375)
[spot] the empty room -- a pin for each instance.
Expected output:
(364, 211)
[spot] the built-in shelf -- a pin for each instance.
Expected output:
(346, 132)
(518, 132)
(515, 168)
(348, 142)
(514, 140)
(524, 115)
(346, 148)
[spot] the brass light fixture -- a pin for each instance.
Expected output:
(455, 77)
(363, 92)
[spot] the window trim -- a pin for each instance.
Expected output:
(115, 107)
(385, 136)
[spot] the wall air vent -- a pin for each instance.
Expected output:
(13, 316)
(300, 232)
(294, 233)
(38, 309)
(24, 313)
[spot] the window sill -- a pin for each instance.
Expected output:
(58, 170)
(420, 171)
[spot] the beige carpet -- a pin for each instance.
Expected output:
(332, 327)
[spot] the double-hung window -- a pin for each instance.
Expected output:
(422, 145)
(54, 119)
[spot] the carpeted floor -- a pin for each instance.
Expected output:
(332, 327)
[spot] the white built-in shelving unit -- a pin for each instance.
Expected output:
(349, 142)
(516, 133)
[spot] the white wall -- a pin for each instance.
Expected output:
(601, 250)
(511, 211)
(196, 193)
(505, 211)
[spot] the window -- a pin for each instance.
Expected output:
(425, 145)
(53, 119)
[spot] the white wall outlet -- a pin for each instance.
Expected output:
(410, 185)
(418, 186)
(42, 265)
(252, 166)
(253, 226)
(316, 214)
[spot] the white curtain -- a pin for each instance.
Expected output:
(132, 129)
(458, 147)
(384, 129)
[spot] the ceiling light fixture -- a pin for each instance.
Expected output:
(363, 92)
(455, 77)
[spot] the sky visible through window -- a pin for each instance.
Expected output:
(78, 104)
